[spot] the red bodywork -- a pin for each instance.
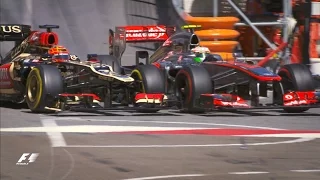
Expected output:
(145, 33)
(300, 98)
(152, 97)
(5, 79)
(94, 97)
(227, 100)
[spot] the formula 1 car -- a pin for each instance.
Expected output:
(46, 82)
(197, 82)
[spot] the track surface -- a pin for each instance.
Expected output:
(90, 153)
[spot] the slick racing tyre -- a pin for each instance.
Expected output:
(296, 77)
(111, 61)
(149, 79)
(191, 82)
(43, 86)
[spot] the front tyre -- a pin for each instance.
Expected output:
(191, 82)
(150, 80)
(43, 86)
(296, 77)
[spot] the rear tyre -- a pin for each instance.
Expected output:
(191, 82)
(43, 86)
(111, 61)
(296, 77)
(150, 80)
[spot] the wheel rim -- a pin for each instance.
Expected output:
(33, 88)
(139, 83)
(182, 89)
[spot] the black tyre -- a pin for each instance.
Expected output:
(43, 86)
(111, 61)
(191, 82)
(152, 80)
(296, 77)
(149, 80)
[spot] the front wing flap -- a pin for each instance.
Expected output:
(206, 101)
(310, 99)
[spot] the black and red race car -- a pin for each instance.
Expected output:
(175, 72)
(56, 81)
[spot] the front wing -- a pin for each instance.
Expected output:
(209, 102)
(310, 99)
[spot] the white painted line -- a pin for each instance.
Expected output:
(50, 126)
(56, 138)
(167, 177)
(179, 122)
(248, 173)
(62, 118)
(72, 163)
(306, 170)
(286, 135)
(192, 145)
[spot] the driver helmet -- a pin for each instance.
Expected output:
(200, 53)
(59, 53)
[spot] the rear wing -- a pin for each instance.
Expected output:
(134, 34)
(145, 33)
(14, 32)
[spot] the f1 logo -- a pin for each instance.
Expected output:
(32, 158)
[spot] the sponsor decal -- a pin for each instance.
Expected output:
(19, 49)
(234, 104)
(73, 57)
(11, 29)
(291, 103)
(288, 97)
(146, 32)
(5, 79)
(4, 75)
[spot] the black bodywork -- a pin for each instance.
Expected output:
(78, 77)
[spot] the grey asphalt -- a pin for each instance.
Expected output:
(118, 156)
(83, 29)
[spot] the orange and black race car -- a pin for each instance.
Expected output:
(40, 72)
